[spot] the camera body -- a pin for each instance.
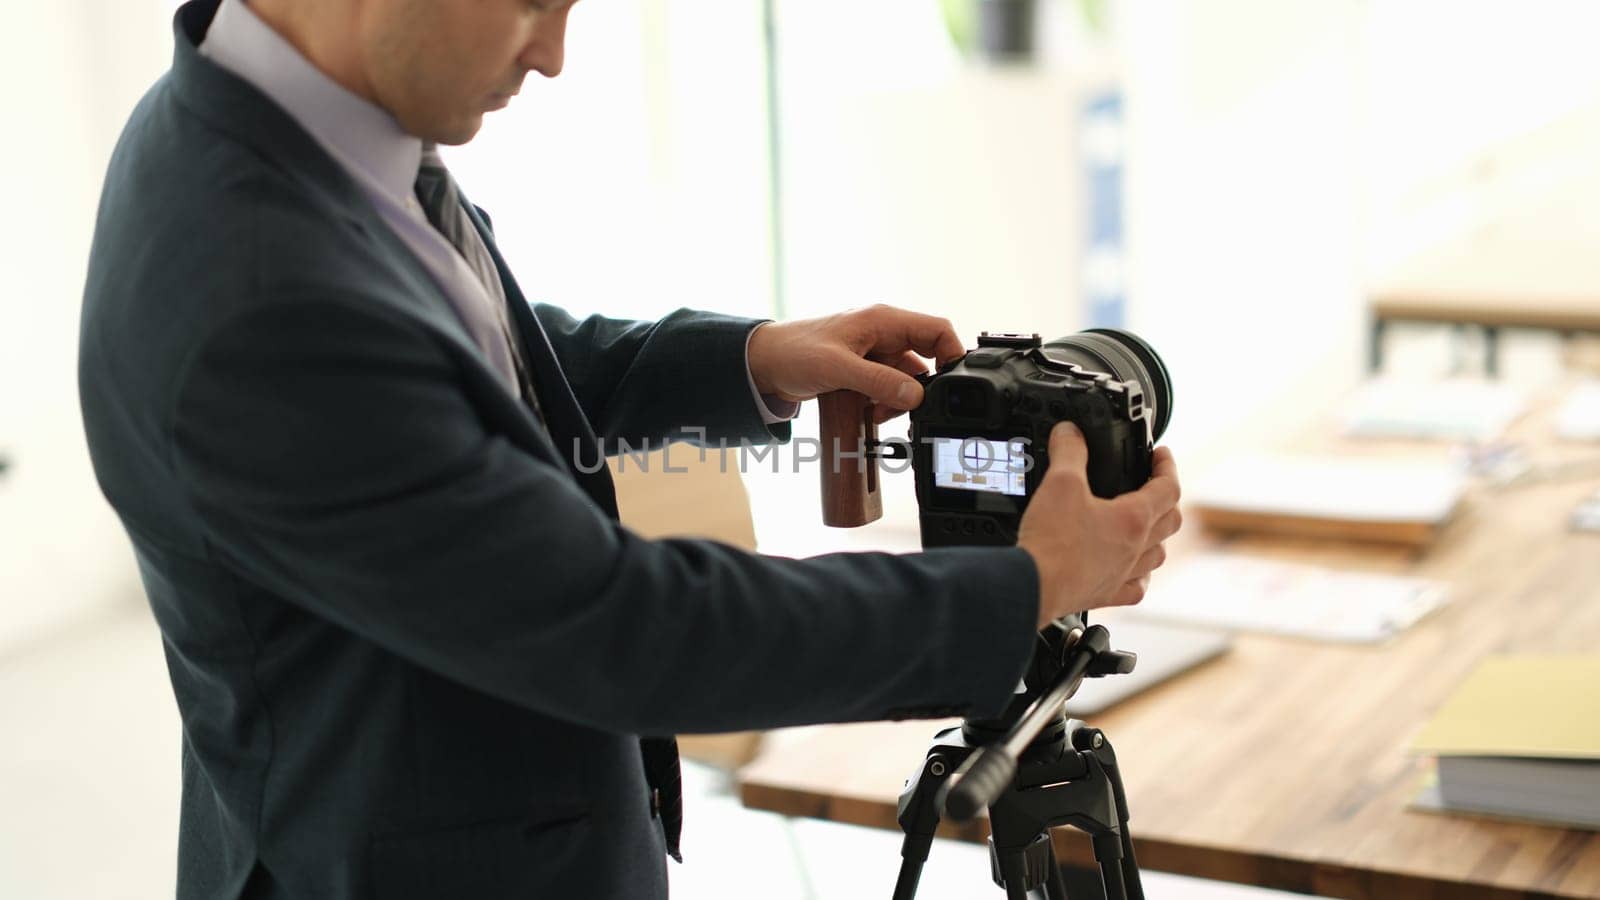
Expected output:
(980, 440)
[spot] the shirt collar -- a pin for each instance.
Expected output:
(365, 138)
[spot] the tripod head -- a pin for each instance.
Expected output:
(1051, 653)
(1034, 722)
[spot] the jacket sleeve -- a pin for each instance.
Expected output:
(640, 381)
(335, 460)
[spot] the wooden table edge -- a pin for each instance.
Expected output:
(1306, 876)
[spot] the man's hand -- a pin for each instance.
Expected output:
(872, 351)
(1092, 552)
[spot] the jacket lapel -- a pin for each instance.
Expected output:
(575, 439)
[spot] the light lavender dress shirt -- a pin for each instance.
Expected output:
(369, 143)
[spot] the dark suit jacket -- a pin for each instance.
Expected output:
(411, 645)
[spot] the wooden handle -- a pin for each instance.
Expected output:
(850, 495)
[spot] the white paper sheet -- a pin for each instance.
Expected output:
(1252, 594)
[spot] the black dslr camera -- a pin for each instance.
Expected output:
(980, 440)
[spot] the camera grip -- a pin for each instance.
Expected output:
(850, 495)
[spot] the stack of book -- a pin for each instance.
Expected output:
(1521, 739)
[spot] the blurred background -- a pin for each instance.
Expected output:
(1235, 180)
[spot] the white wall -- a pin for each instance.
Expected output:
(1478, 114)
(1243, 205)
(636, 182)
(1285, 153)
(914, 179)
(72, 71)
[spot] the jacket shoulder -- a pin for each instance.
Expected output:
(196, 229)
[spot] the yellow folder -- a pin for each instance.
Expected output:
(1528, 706)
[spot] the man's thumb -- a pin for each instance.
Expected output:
(883, 385)
(1067, 449)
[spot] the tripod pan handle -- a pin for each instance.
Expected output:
(978, 783)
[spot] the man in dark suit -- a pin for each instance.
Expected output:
(413, 649)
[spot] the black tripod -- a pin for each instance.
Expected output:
(1034, 769)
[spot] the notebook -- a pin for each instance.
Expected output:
(1520, 738)
(1248, 593)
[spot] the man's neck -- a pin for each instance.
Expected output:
(323, 31)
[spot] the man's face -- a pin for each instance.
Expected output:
(439, 65)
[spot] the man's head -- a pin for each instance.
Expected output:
(436, 65)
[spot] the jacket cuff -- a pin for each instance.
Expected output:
(747, 415)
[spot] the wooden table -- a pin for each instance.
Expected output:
(1284, 764)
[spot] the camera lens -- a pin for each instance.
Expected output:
(965, 400)
(1125, 357)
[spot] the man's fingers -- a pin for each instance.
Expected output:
(896, 330)
(1131, 592)
(1067, 449)
(1162, 465)
(882, 414)
(1167, 525)
(883, 384)
(1161, 492)
(906, 361)
(1150, 561)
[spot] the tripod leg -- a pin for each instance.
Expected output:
(919, 812)
(1108, 853)
(1111, 873)
(905, 887)
(1055, 888)
(1130, 866)
(913, 853)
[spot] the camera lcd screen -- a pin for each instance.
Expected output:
(981, 464)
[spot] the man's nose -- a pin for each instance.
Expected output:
(545, 52)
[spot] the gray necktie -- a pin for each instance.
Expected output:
(441, 201)
(489, 323)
